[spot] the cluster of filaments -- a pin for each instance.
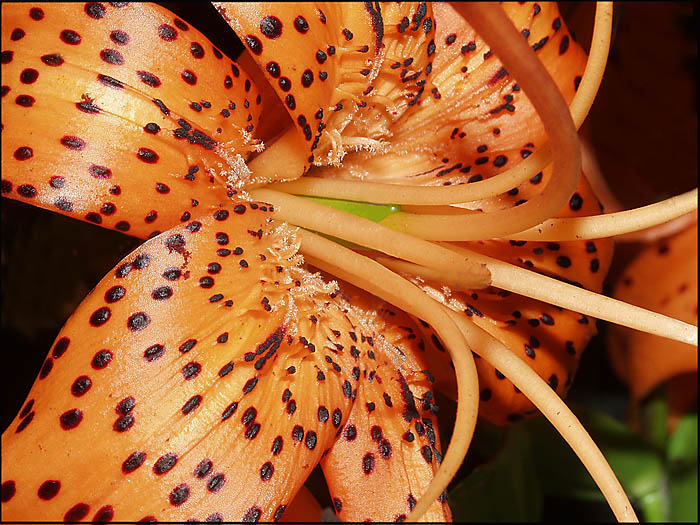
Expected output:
(404, 239)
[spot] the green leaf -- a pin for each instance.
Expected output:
(638, 466)
(504, 489)
(683, 443)
(684, 496)
(682, 454)
(654, 415)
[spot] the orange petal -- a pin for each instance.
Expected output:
(662, 278)
(390, 448)
(475, 121)
(100, 127)
(183, 387)
(404, 72)
(314, 55)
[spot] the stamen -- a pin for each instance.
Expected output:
(610, 224)
(323, 219)
(561, 294)
(536, 286)
(373, 277)
(553, 408)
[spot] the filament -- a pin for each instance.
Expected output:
(445, 277)
(488, 271)
(595, 65)
(553, 408)
(655, 233)
(530, 284)
(611, 224)
(314, 216)
(373, 277)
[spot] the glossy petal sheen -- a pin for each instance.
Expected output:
(206, 375)
(99, 125)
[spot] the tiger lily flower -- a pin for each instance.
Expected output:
(210, 372)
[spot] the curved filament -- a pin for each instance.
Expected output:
(495, 27)
(554, 409)
(655, 233)
(611, 224)
(446, 277)
(379, 281)
(380, 193)
(537, 286)
(595, 66)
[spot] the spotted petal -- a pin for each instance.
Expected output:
(662, 278)
(548, 338)
(490, 123)
(204, 378)
(176, 417)
(98, 126)
(390, 447)
(327, 58)
(474, 121)
(354, 68)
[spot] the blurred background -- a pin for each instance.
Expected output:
(643, 129)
